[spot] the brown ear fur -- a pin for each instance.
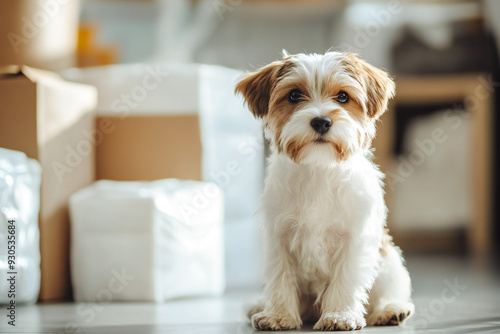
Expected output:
(378, 85)
(256, 87)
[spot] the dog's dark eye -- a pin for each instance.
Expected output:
(295, 95)
(342, 97)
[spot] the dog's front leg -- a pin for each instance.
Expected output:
(281, 308)
(342, 303)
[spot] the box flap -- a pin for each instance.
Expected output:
(32, 74)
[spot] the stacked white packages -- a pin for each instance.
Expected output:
(232, 140)
(19, 207)
(147, 241)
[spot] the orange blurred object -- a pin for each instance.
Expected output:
(89, 53)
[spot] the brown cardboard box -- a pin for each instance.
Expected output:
(147, 122)
(42, 33)
(52, 121)
(149, 147)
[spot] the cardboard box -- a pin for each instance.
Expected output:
(149, 147)
(170, 120)
(52, 121)
(147, 122)
(42, 34)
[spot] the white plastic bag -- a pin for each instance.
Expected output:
(20, 203)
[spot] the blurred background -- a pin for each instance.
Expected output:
(142, 90)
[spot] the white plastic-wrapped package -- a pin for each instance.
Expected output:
(233, 142)
(147, 240)
(19, 204)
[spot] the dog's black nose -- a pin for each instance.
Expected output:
(321, 124)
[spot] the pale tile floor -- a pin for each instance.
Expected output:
(471, 307)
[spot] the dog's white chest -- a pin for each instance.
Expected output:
(320, 232)
(318, 212)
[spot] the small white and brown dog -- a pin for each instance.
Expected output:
(328, 256)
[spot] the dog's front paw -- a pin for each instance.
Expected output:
(255, 308)
(340, 321)
(392, 314)
(274, 321)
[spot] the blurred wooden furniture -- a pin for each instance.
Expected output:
(475, 92)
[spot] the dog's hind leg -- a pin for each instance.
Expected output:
(390, 297)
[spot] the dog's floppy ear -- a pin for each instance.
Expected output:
(378, 85)
(256, 87)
